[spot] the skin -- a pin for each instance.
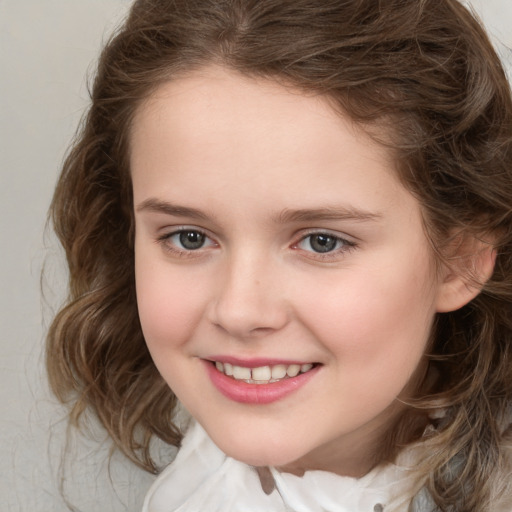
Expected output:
(244, 154)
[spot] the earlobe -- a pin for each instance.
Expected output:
(465, 276)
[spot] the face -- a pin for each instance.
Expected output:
(285, 286)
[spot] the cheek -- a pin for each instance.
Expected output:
(169, 304)
(374, 323)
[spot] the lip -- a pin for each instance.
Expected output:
(254, 362)
(261, 394)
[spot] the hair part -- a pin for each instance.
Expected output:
(424, 74)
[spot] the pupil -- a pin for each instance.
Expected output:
(323, 243)
(191, 240)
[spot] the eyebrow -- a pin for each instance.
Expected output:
(286, 216)
(158, 206)
(328, 213)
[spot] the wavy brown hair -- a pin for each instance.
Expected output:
(425, 73)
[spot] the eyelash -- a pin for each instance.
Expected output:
(342, 245)
(166, 242)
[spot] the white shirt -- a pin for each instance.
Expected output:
(203, 479)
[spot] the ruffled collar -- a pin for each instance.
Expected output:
(203, 478)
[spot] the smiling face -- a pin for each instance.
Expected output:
(275, 245)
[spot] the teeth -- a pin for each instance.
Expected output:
(293, 370)
(241, 373)
(278, 371)
(262, 374)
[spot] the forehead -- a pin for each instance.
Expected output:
(202, 92)
(215, 107)
(218, 130)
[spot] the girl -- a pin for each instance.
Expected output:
(295, 218)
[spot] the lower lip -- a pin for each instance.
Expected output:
(243, 392)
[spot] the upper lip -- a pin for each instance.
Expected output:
(255, 362)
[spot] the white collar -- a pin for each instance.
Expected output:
(203, 479)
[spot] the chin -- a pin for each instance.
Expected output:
(259, 453)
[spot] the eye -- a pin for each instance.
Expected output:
(185, 241)
(322, 243)
(189, 239)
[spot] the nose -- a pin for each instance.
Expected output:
(249, 299)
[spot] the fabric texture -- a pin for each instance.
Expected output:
(202, 478)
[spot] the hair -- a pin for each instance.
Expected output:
(425, 73)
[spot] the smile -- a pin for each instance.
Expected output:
(262, 374)
(259, 384)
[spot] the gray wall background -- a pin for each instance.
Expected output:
(46, 49)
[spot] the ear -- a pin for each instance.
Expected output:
(469, 266)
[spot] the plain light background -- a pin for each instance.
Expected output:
(47, 48)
